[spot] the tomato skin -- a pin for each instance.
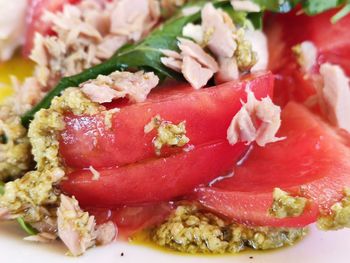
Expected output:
(207, 112)
(312, 162)
(159, 179)
(35, 11)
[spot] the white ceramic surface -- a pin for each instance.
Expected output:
(317, 247)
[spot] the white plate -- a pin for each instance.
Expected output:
(317, 247)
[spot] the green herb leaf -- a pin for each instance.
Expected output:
(27, 227)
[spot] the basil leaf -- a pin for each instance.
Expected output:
(26, 227)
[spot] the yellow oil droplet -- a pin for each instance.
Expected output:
(18, 67)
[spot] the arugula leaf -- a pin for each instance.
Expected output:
(27, 227)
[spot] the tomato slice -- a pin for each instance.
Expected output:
(130, 171)
(154, 180)
(207, 112)
(313, 162)
(36, 9)
(287, 30)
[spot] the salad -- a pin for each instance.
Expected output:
(209, 126)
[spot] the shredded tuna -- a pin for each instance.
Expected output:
(135, 86)
(245, 6)
(106, 233)
(190, 10)
(12, 26)
(75, 228)
(4, 214)
(228, 70)
(195, 73)
(191, 49)
(244, 125)
(172, 63)
(134, 19)
(99, 94)
(233, 50)
(197, 66)
(336, 95)
(27, 94)
(218, 30)
(109, 45)
(194, 31)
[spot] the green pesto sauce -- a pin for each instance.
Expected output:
(285, 205)
(339, 216)
(192, 231)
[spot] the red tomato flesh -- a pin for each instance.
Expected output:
(207, 112)
(154, 180)
(312, 162)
